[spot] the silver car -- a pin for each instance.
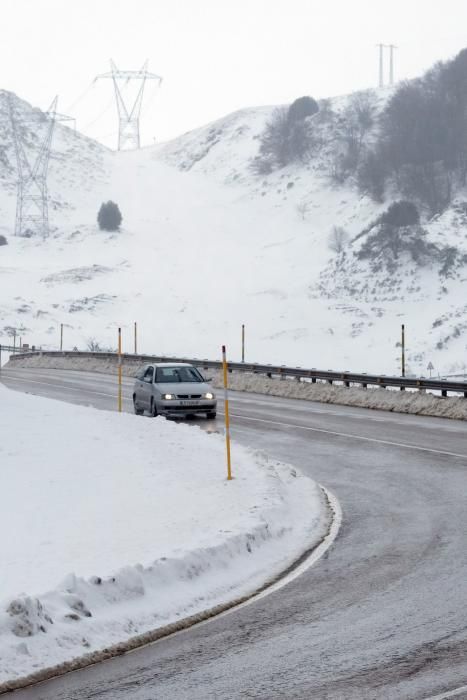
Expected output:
(172, 389)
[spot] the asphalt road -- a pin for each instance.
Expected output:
(383, 615)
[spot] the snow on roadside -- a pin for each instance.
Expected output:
(414, 402)
(120, 524)
(4, 357)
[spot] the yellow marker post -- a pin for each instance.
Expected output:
(119, 370)
(136, 338)
(403, 351)
(243, 342)
(227, 419)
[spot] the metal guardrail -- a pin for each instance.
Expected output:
(313, 375)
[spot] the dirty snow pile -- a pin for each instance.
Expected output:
(414, 402)
(114, 525)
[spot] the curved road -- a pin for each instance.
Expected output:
(383, 615)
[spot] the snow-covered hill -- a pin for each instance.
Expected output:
(207, 244)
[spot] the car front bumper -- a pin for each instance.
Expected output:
(181, 407)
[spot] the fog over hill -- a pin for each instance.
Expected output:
(220, 230)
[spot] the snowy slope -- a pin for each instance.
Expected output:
(134, 528)
(207, 245)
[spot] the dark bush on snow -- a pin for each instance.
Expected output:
(302, 108)
(286, 137)
(402, 213)
(109, 217)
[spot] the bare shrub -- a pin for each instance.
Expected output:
(338, 239)
(303, 209)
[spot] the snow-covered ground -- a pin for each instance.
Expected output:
(4, 357)
(206, 245)
(114, 525)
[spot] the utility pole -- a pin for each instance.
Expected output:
(403, 350)
(381, 74)
(128, 114)
(32, 216)
(381, 48)
(391, 48)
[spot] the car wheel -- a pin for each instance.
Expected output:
(153, 411)
(211, 414)
(138, 411)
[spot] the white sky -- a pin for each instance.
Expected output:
(215, 56)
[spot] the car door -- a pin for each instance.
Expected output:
(145, 392)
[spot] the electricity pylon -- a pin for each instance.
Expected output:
(32, 216)
(128, 116)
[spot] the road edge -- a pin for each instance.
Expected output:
(299, 566)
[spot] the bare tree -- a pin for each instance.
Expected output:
(93, 345)
(338, 239)
(303, 209)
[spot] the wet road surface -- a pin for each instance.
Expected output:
(383, 615)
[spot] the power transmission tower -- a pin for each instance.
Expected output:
(128, 115)
(32, 216)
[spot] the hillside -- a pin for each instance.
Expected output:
(208, 244)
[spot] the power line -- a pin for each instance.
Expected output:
(81, 97)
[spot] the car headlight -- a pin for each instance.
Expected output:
(167, 397)
(209, 395)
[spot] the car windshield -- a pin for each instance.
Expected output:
(165, 375)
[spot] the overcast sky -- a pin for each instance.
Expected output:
(215, 56)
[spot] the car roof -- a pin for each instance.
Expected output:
(170, 364)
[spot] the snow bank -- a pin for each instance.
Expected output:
(383, 399)
(4, 357)
(116, 525)
(415, 402)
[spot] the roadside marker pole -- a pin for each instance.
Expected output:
(227, 419)
(14, 342)
(61, 337)
(136, 338)
(243, 342)
(119, 370)
(403, 350)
